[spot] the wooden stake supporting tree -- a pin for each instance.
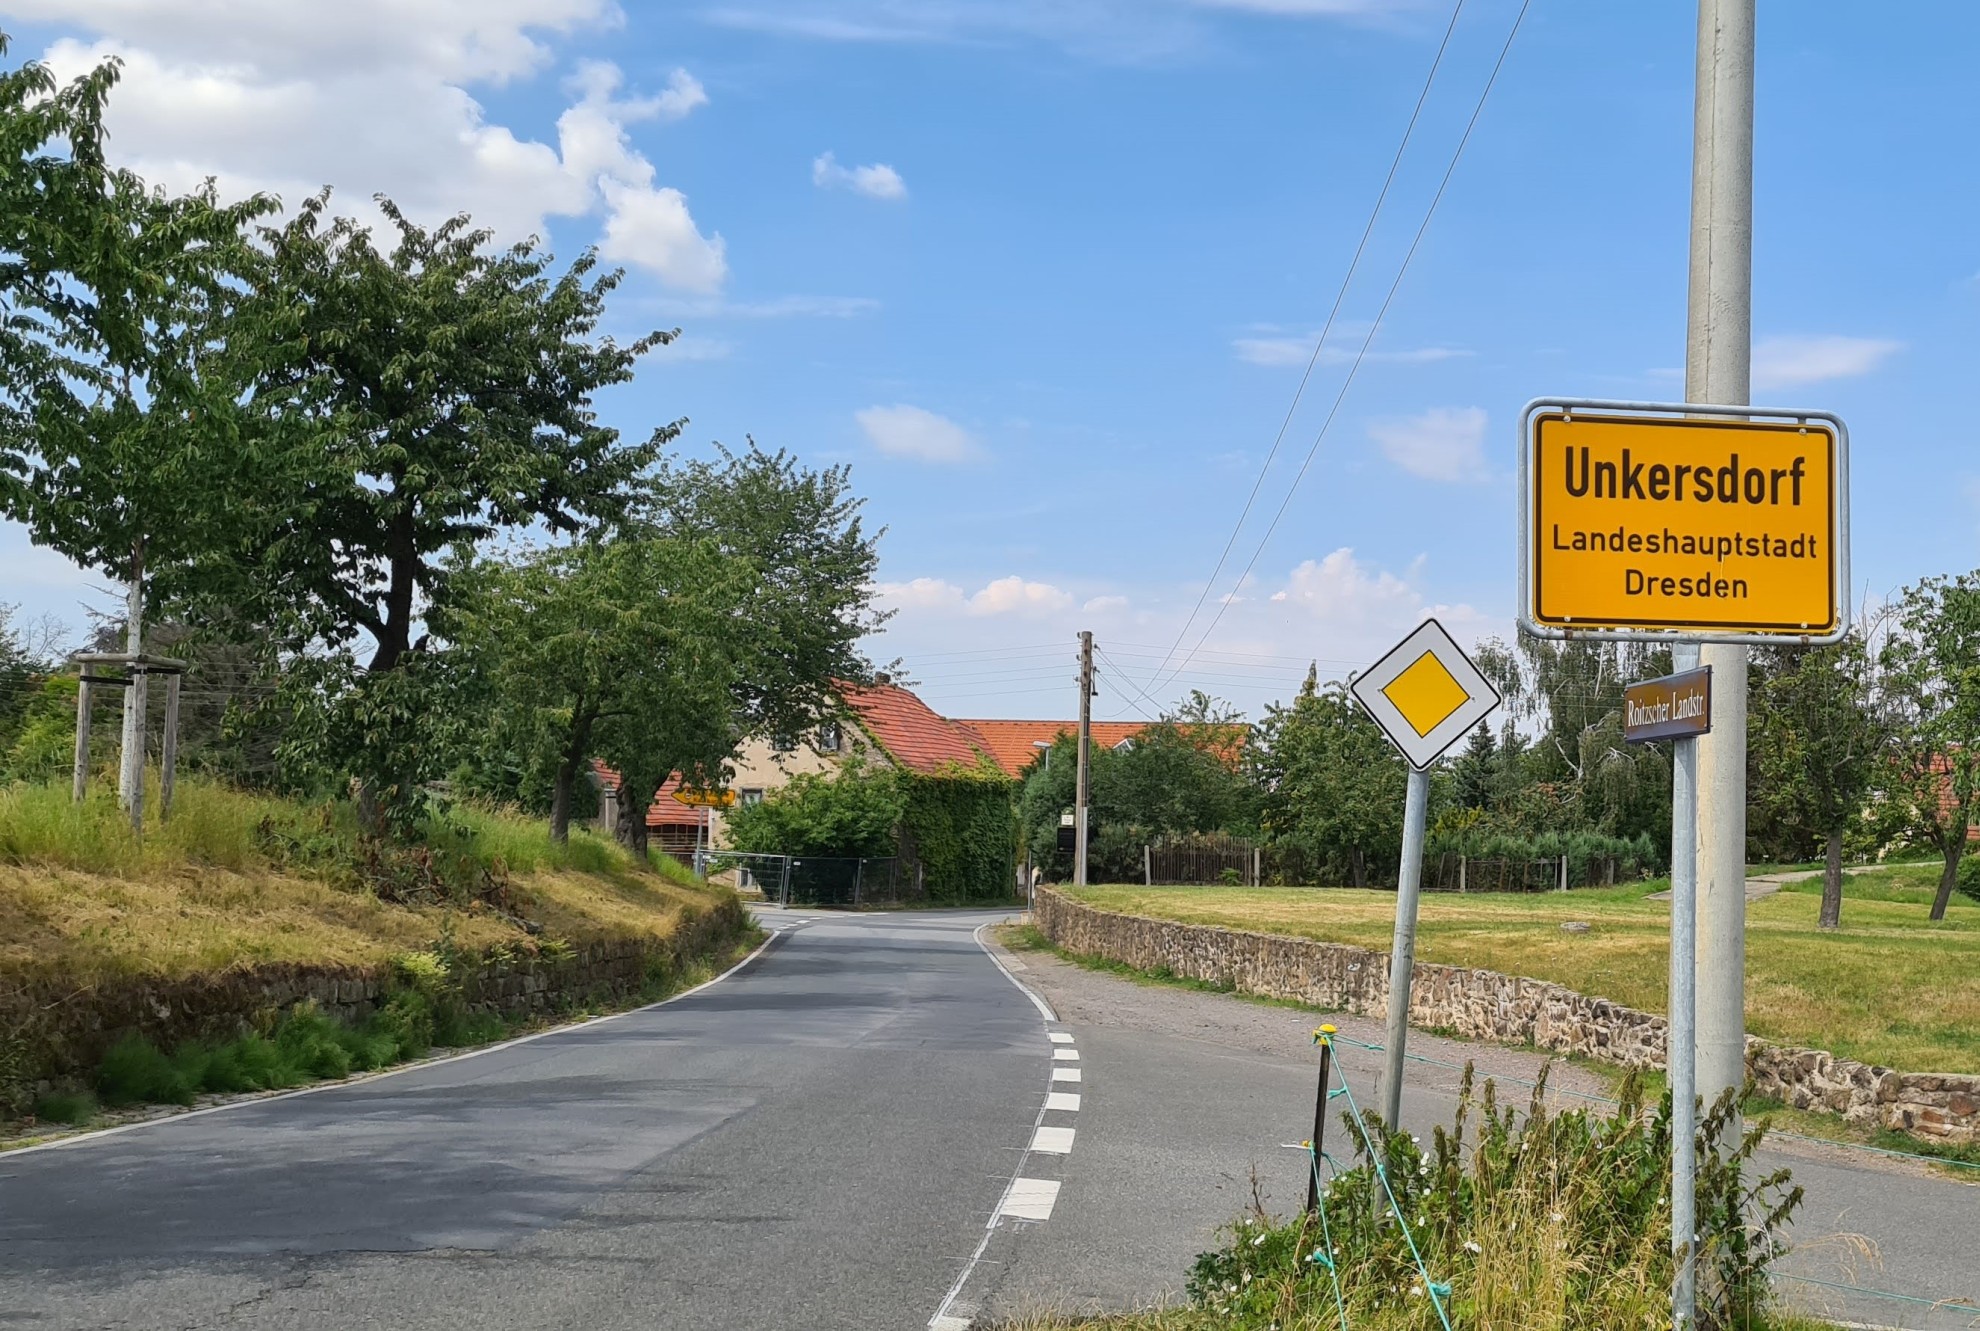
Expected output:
(135, 666)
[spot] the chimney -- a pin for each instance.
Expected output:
(883, 679)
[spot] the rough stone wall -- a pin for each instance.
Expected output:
(66, 1031)
(1485, 1005)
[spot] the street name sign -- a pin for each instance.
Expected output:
(1672, 707)
(1711, 524)
(706, 799)
(1425, 694)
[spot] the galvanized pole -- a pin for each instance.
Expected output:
(1718, 362)
(130, 768)
(1402, 952)
(168, 747)
(1082, 779)
(83, 701)
(1680, 1047)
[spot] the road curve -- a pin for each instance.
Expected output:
(818, 1141)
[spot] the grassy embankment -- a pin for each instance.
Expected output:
(237, 881)
(1889, 988)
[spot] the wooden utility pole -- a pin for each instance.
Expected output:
(1082, 782)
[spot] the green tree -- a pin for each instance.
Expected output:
(592, 649)
(1931, 675)
(418, 398)
(1819, 736)
(1335, 784)
(814, 563)
(853, 813)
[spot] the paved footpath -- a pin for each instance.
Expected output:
(1188, 1097)
(821, 1141)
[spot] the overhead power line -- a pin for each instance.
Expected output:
(1354, 368)
(1320, 342)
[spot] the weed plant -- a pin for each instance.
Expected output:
(1542, 1220)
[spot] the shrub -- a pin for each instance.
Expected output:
(1968, 881)
(70, 1108)
(1557, 1220)
(135, 1071)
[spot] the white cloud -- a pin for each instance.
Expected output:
(1295, 349)
(1015, 596)
(1441, 444)
(374, 96)
(1101, 605)
(1362, 609)
(1005, 596)
(920, 594)
(903, 431)
(1790, 361)
(877, 181)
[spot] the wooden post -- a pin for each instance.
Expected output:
(1257, 866)
(82, 735)
(1147, 865)
(168, 755)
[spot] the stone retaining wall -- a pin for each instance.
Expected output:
(64, 1032)
(1485, 1005)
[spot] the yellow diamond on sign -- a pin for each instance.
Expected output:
(1426, 694)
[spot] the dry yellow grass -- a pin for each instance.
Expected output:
(80, 902)
(1890, 988)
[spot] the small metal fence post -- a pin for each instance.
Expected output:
(1325, 1038)
(82, 735)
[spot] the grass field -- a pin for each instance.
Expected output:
(82, 900)
(1890, 988)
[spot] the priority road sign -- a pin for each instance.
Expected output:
(1705, 523)
(1425, 694)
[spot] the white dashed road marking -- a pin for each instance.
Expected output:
(1031, 1199)
(1053, 1141)
(1061, 1037)
(1066, 1055)
(1065, 1100)
(1065, 1074)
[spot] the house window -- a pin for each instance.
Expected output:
(752, 795)
(830, 739)
(1124, 746)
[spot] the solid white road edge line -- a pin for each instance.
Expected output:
(942, 1321)
(420, 1066)
(1044, 1008)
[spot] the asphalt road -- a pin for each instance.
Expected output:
(818, 1141)
(1189, 1097)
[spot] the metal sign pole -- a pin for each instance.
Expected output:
(1402, 952)
(1680, 1042)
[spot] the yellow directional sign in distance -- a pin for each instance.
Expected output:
(1701, 525)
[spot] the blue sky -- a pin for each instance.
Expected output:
(1046, 272)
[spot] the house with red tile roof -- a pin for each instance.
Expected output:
(884, 723)
(1014, 745)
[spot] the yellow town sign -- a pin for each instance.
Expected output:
(1659, 522)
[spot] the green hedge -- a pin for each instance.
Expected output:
(960, 827)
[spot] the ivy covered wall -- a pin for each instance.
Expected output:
(959, 826)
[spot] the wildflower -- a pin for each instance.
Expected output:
(1258, 1242)
(1247, 1277)
(1554, 1216)
(1471, 1246)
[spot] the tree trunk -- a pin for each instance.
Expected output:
(1354, 867)
(632, 821)
(1832, 884)
(567, 770)
(1953, 848)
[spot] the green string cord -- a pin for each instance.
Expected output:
(1327, 1235)
(1433, 1289)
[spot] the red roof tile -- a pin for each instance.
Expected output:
(665, 811)
(908, 730)
(1010, 743)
